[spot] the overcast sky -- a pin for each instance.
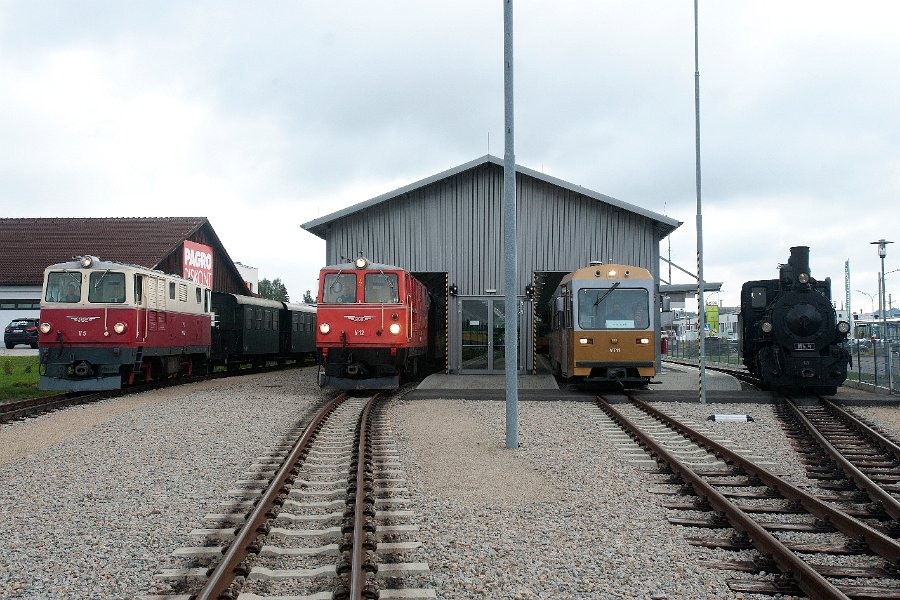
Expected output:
(263, 116)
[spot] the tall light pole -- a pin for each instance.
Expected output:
(871, 298)
(701, 308)
(882, 252)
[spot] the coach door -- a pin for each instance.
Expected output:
(483, 325)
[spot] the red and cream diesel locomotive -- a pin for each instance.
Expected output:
(372, 325)
(105, 324)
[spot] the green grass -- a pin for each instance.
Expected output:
(19, 378)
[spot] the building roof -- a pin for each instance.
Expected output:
(318, 226)
(28, 245)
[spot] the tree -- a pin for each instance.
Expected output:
(308, 299)
(273, 290)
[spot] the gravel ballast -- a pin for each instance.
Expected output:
(96, 498)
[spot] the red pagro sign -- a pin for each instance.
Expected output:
(198, 263)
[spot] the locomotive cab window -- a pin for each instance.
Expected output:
(106, 287)
(615, 308)
(63, 286)
(758, 297)
(138, 289)
(339, 288)
(382, 288)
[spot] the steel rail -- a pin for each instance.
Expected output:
(358, 552)
(876, 436)
(223, 575)
(808, 579)
(886, 547)
(875, 492)
(22, 408)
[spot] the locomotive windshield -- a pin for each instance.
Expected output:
(63, 286)
(106, 287)
(382, 288)
(339, 288)
(613, 308)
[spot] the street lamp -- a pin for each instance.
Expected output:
(871, 298)
(882, 252)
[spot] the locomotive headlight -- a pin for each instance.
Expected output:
(361, 262)
(843, 327)
(119, 328)
(803, 277)
(394, 328)
(766, 327)
(87, 261)
(642, 341)
(324, 328)
(45, 327)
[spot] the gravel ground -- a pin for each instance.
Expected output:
(95, 498)
(564, 517)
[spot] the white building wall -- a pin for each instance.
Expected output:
(19, 301)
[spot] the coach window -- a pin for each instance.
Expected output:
(381, 288)
(106, 287)
(171, 290)
(199, 294)
(339, 288)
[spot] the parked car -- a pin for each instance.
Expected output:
(21, 331)
(860, 345)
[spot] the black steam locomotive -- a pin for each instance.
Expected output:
(789, 334)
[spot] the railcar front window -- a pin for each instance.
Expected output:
(381, 288)
(106, 287)
(63, 286)
(616, 309)
(339, 288)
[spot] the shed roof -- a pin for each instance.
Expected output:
(318, 226)
(30, 244)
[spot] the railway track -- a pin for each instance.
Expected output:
(846, 455)
(325, 516)
(802, 544)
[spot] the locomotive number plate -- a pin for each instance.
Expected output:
(804, 346)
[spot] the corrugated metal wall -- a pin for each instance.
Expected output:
(455, 225)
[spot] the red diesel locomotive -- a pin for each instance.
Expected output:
(373, 325)
(103, 324)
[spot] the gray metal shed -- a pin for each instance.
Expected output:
(447, 229)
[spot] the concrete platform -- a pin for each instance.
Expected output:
(442, 381)
(674, 382)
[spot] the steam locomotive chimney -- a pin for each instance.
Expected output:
(799, 259)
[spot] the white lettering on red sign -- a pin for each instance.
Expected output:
(198, 263)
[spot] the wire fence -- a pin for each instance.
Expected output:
(868, 364)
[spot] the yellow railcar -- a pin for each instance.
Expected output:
(604, 325)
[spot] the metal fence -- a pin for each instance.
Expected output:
(868, 366)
